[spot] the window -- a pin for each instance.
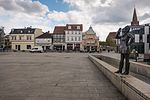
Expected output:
(148, 38)
(13, 37)
(28, 37)
(16, 47)
(78, 27)
(71, 38)
(79, 39)
(84, 41)
(67, 32)
(20, 37)
(54, 36)
(70, 32)
(75, 38)
(28, 46)
(69, 27)
(68, 38)
(62, 36)
(73, 32)
(93, 41)
(84, 37)
(137, 38)
(62, 40)
(141, 38)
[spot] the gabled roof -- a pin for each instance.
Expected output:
(45, 35)
(23, 31)
(74, 27)
(111, 36)
(90, 30)
(59, 30)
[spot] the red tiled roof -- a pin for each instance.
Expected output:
(111, 35)
(59, 30)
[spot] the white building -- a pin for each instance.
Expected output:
(73, 37)
(44, 40)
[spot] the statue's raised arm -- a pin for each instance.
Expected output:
(118, 36)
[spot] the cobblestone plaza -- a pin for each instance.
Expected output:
(53, 76)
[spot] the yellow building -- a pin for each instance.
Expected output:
(90, 42)
(24, 39)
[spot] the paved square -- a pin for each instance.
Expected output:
(53, 76)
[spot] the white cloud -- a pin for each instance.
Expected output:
(108, 15)
(23, 13)
(103, 15)
(26, 6)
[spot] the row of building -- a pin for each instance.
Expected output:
(63, 38)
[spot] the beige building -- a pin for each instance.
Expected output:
(24, 38)
(90, 42)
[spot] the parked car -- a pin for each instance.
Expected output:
(37, 49)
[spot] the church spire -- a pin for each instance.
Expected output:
(135, 21)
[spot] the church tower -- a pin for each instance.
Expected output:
(135, 21)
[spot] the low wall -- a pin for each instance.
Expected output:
(135, 67)
(131, 87)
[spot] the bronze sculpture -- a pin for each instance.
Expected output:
(126, 39)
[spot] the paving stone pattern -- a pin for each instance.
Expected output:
(53, 76)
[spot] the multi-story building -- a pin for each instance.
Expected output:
(2, 40)
(73, 37)
(140, 33)
(7, 43)
(142, 39)
(59, 38)
(24, 38)
(90, 42)
(111, 41)
(45, 40)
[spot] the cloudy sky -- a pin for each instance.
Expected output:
(103, 15)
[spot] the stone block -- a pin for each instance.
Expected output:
(131, 87)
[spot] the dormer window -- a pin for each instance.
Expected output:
(21, 31)
(78, 27)
(69, 27)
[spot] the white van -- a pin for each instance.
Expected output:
(37, 49)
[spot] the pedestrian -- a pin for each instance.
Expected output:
(126, 39)
(136, 55)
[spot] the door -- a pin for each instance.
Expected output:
(19, 47)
